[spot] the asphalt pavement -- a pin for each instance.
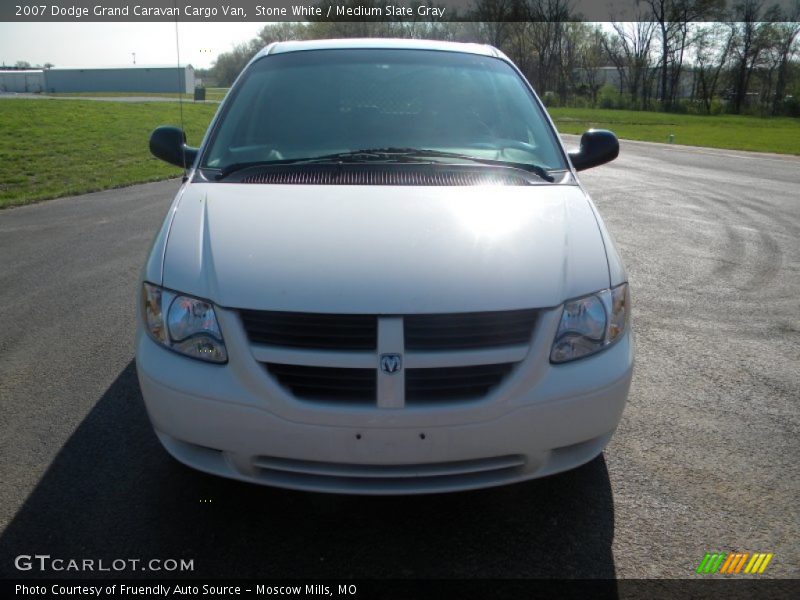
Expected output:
(705, 459)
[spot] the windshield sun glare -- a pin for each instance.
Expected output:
(305, 105)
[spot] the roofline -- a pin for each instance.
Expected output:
(379, 44)
(119, 67)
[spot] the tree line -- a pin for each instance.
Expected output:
(699, 56)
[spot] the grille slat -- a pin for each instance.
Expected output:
(326, 383)
(453, 383)
(317, 319)
(336, 333)
(465, 331)
(437, 388)
(311, 330)
(468, 330)
(493, 318)
(433, 377)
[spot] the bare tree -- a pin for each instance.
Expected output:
(280, 32)
(494, 19)
(749, 41)
(673, 19)
(612, 47)
(754, 49)
(532, 33)
(548, 20)
(712, 49)
(591, 58)
(229, 64)
(630, 52)
(787, 32)
(570, 49)
(520, 48)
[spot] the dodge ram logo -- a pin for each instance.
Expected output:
(391, 363)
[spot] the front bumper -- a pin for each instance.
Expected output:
(231, 421)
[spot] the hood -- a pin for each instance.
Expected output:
(384, 249)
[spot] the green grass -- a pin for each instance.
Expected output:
(60, 148)
(212, 94)
(733, 132)
(54, 148)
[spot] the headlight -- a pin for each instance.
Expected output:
(591, 323)
(182, 323)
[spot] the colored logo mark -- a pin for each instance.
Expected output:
(734, 562)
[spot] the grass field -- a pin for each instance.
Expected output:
(60, 148)
(54, 148)
(781, 135)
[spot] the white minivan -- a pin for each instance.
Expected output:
(381, 275)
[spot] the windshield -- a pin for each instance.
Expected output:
(315, 103)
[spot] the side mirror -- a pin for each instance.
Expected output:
(598, 146)
(169, 144)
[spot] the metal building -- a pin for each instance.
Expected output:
(21, 81)
(132, 78)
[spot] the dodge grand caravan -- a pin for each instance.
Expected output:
(381, 275)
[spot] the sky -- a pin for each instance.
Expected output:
(113, 44)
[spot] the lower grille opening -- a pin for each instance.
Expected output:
(460, 467)
(327, 384)
(374, 478)
(453, 383)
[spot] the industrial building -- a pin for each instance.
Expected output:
(131, 78)
(22, 81)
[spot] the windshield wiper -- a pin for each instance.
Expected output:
(355, 156)
(411, 155)
(426, 153)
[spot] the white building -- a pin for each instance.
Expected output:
(131, 78)
(30, 81)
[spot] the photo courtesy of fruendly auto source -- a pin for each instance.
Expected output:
(461, 298)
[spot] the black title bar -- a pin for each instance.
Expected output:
(419, 589)
(361, 10)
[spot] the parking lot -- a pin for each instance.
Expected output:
(705, 459)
